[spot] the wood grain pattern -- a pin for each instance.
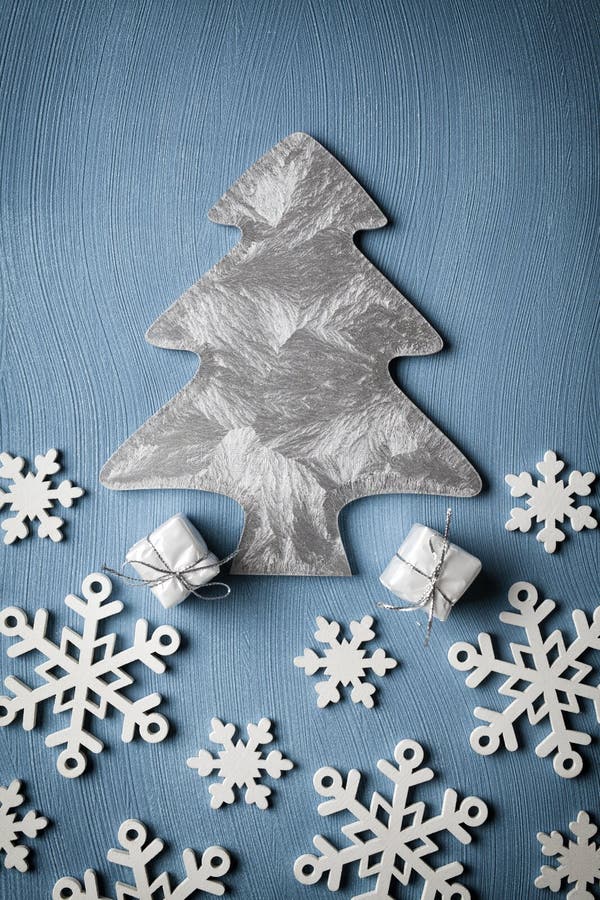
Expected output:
(473, 127)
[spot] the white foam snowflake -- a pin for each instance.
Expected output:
(240, 765)
(579, 861)
(136, 854)
(550, 501)
(547, 679)
(83, 674)
(11, 828)
(345, 662)
(391, 840)
(31, 495)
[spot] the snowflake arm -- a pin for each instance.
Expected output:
(345, 662)
(89, 680)
(136, 853)
(553, 689)
(550, 501)
(579, 861)
(72, 889)
(390, 841)
(11, 827)
(30, 496)
(240, 765)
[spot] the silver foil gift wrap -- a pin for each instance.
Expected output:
(430, 572)
(293, 411)
(174, 560)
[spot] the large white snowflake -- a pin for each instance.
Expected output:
(547, 679)
(240, 764)
(31, 495)
(579, 861)
(391, 841)
(345, 662)
(136, 854)
(83, 674)
(11, 827)
(550, 501)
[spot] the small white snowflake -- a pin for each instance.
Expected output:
(31, 495)
(579, 861)
(11, 828)
(345, 662)
(83, 674)
(550, 501)
(240, 765)
(547, 680)
(137, 852)
(391, 840)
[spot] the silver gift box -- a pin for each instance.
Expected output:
(180, 546)
(422, 549)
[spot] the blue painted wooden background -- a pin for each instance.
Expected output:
(474, 125)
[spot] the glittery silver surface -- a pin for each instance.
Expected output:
(292, 411)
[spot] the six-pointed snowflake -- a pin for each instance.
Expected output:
(83, 674)
(11, 828)
(391, 840)
(240, 765)
(547, 679)
(31, 495)
(579, 861)
(345, 662)
(550, 501)
(137, 852)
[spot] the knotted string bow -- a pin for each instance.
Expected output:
(427, 599)
(166, 572)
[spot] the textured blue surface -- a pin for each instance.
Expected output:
(474, 126)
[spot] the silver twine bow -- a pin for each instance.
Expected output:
(166, 572)
(427, 599)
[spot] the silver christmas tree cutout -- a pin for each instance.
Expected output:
(293, 412)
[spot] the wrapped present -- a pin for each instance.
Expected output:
(174, 560)
(429, 572)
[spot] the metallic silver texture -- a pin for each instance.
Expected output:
(292, 411)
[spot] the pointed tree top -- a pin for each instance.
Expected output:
(297, 180)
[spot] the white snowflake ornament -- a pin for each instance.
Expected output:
(391, 841)
(240, 764)
(136, 853)
(545, 680)
(550, 501)
(84, 675)
(345, 662)
(12, 828)
(579, 860)
(31, 495)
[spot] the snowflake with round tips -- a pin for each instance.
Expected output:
(240, 764)
(84, 675)
(345, 662)
(547, 679)
(391, 841)
(31, 495)
(579, 861)
(11, 827)
(550, 501)
(137, 851)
